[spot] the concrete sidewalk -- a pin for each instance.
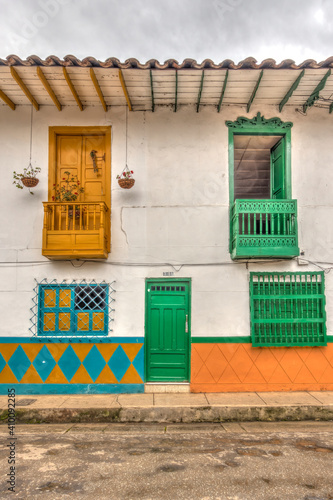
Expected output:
(162, 407)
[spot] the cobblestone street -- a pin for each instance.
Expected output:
(248, 461)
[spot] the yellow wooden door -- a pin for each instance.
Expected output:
(74, 156)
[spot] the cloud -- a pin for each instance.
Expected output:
(163, 29)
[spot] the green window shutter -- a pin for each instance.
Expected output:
(287, 309)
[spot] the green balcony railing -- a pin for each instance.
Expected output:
(264, 228)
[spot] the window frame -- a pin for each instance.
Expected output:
(72, 309)
(257, 126)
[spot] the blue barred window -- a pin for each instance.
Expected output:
(73, 310)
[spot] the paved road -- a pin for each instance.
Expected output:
(254, 461)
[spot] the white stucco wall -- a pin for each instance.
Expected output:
(174, 219)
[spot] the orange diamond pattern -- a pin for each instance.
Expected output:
(79, 371)
(240, 367)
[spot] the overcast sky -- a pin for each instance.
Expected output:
(164, 29)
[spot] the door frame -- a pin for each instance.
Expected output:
(150, 281)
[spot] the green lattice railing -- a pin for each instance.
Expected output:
(264, 228)
(287, 309)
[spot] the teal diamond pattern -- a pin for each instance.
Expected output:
(2, 362)
(69, 363)
(44, 363)
(19, 363)
(119, 363)
(138, 362)
(94, 363)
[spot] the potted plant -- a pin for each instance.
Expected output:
(125, 180)
(27, 178)
(68, 190)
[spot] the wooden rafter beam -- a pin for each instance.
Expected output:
(223, 90)
(123, 85)
(152, 92)
(98, 88)
(315, 94)
(291, 90)
(331, 107)
(24, 88)
(48, 88)
(200, 90)
(176, 92)
(249, 104)
(6, 99)
(72, 88)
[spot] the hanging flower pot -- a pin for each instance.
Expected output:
(30, 182)
(125, 180)
(28, 178)
(126, 183)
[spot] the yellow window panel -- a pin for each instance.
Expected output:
(83, 321)
(49, 297)
(98, 321)
(49, 322)
(65, 298)
(64, 322)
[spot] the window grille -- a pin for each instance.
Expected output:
(287, 309)
(72, 309)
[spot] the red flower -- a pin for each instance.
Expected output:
(132, 172)
(76, 193)
(52, 198)
(124, 174)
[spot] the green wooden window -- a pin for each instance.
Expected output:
(287, 309)
(73, 310)
(263, 216)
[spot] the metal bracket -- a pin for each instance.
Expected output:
(94, 157)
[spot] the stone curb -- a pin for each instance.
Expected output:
(177, 414)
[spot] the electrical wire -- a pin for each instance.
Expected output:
(176, 267)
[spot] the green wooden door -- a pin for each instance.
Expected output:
(167, 330)
(278, 189)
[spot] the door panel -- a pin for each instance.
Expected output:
(69, 158)
(93, 182)
(278, 171)
(278, 184)
(167, 333)
(73, 155)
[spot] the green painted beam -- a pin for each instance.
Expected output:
(331, 107)
(176, 92)
(315, 94)
(254, 91)
(221, 340)
(223, 90)
(200, 90)
(291, 90)
(152, 92)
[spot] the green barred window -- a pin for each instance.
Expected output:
(75, 309)
(287, 309)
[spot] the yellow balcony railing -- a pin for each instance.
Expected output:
(76, 230)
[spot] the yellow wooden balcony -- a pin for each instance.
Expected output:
(76, 230)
